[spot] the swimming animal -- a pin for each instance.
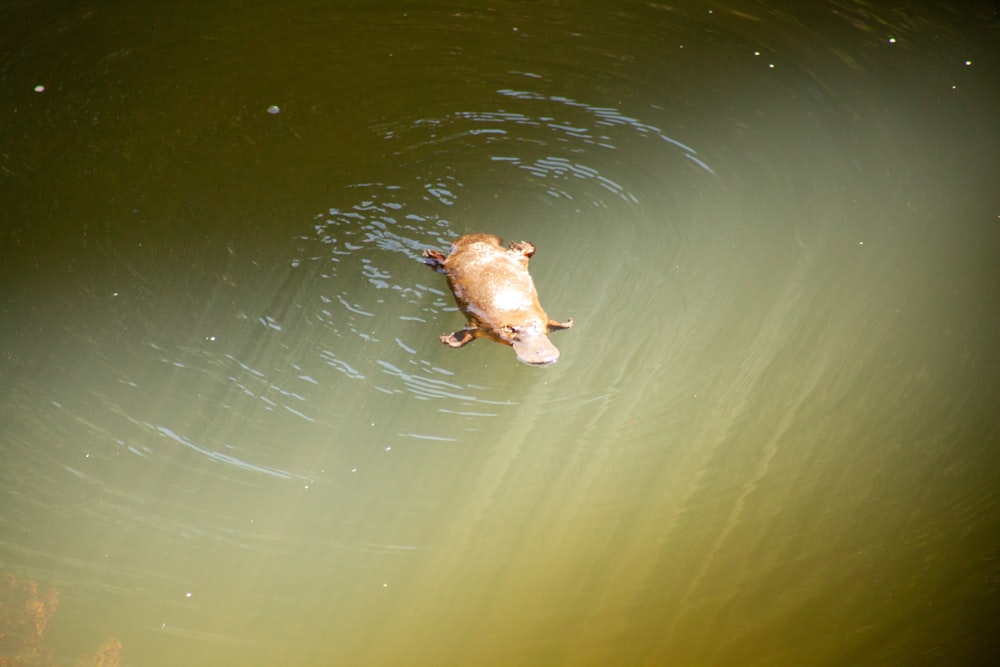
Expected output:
(494, 290)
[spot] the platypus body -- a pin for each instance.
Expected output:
(493, 288)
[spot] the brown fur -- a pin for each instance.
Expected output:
(493, 288)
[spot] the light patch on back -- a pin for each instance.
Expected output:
(511, 299)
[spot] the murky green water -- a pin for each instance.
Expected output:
(231, 436)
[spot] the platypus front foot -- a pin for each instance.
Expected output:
(460, 337)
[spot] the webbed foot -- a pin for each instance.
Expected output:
(460, 337)
(526, 248)
(434, 259)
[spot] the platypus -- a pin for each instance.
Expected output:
(493, 288)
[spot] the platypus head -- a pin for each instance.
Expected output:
(531, 344)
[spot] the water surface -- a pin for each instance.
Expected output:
(231, 435)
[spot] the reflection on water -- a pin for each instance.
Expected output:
(231, 435)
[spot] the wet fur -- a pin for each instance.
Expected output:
(494, 290)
